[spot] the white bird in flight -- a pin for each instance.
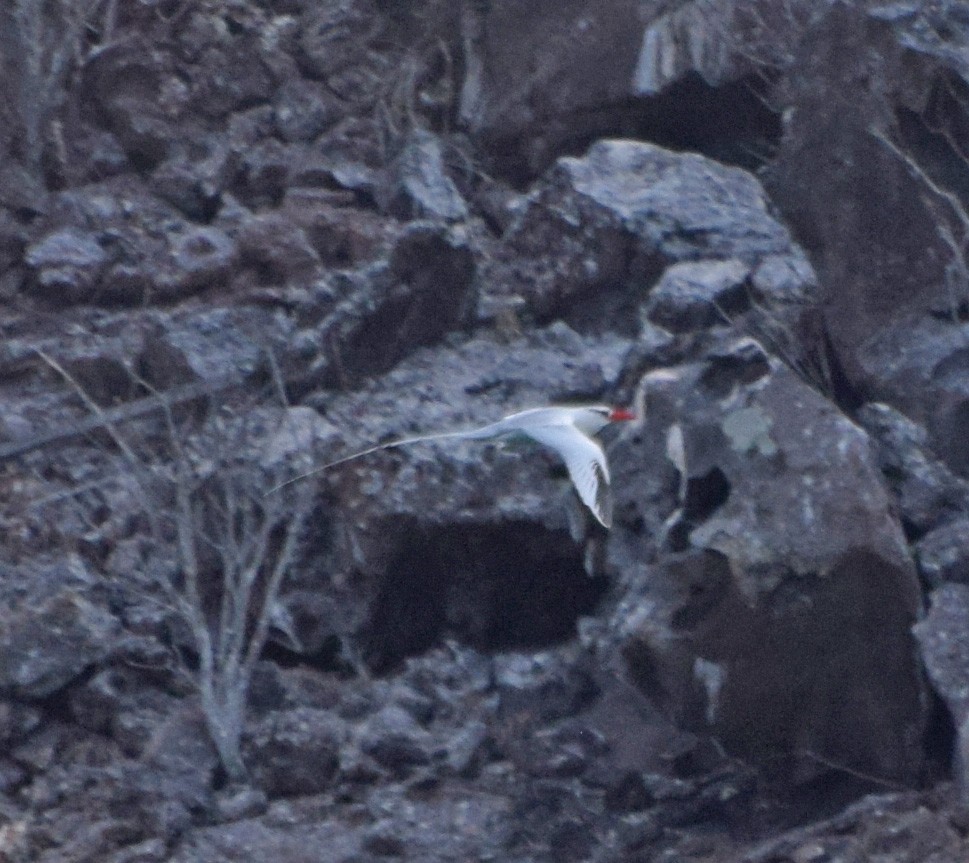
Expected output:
(567, 430)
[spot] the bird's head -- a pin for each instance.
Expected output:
(596, 417)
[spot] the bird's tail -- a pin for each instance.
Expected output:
(359, 454)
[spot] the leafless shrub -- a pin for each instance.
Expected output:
(216, 553)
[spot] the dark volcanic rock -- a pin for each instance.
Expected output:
(697, 295)
(550, 77)
(212, 344)
(295, 752)
(51, 631)
(131, 85)
(420, 186)
(598, 231)
(279, 249)
(126, 245)
(194, 176)
(203, 255)
(783, 568)
(944, 640)
(943, 554)
(541, 77)
(303, 109)
(425, 291)
(462, 539)
(68, 263)
(334, 35)
(460, 822)
(891, 143)
(329, 219)
(926, 491)
(921, 367)
(394, 739)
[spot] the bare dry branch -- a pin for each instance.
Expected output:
(219, 552)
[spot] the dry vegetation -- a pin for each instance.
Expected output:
(215, 551)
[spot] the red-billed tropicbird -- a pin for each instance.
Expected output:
(567, 430)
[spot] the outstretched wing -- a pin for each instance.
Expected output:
(586, 463)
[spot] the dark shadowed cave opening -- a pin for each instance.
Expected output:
(733, 123)
(495, 587)
(704, 496)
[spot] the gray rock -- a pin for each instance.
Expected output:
(921, 368)
(295, 752)
(68, 264)
(419, 518)
(697, 295)
(149, 851)
(395, 740)
(619, 216)
(50, 634)
(124, 244)
(420, 186)
(209, 345)
(279, 248)
(95, 704)
(719, 42)
(126, 83)
(943, 637)
(466, 749)
(237, 803)
(943, 554)
(298, 434)
(17, 720)
(262, 172)
(425, 291)
(678, 204)
(889, 265)
(334, 35)
(178, 760)
(303, 109)
(194, 177)
(595, 67)
(217, 91)
(779, 541)
(927, 492)
(422, 825)
(201, 257)
(541, 687)
(571, 64)
(690, 38)
(94, 154)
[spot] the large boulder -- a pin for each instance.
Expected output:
(591, 240)
(772, 605)
(544, 78)
(869, 174)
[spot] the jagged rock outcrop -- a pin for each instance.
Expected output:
(776, 611)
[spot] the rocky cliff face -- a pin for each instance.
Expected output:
(239, 240)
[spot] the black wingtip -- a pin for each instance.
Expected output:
(603, 510)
